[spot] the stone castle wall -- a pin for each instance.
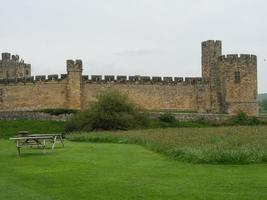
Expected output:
(41, 92)
(33, 95)
(228, 85)
(158, 95)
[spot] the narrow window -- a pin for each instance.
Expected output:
(1, 95)
(27, 72)
(237, 77)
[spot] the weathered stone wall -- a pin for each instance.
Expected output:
(153, 95)
(211, 50)
(24, 115)
(182, 117)
(33, 95)
(239, 83)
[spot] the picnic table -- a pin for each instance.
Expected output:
(39, 140)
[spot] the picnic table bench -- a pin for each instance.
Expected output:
(39, 140)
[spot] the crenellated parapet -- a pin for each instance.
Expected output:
(8, 57)
(74, 65)
(12, 67)
(144, 80)
(236, 58)
(54, 78)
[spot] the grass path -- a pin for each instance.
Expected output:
(121, 171)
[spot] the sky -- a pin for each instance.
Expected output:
(132, 37)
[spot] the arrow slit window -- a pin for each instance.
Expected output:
(237, 77)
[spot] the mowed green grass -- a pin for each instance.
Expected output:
(121, 171)
(84, 170)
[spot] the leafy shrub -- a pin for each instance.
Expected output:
(264, 105)
(254, 121)
(112, 111)
(243, 119)
(167, 117)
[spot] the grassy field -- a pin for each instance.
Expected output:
(98, 171)
(239, 145)
(10, 128)
(121, 172)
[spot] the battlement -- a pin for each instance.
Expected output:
(233, 58)
(145, 79)
(7, 57)
(211, 43)
(35, 79)
(74, 66)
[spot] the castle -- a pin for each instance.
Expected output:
(228, 85)
(12, 67)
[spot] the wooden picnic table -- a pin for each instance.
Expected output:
(38, 140)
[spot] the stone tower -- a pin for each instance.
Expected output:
(238, 80)
(74, 83)
(211, 50)
(233, 80)
(12, 68)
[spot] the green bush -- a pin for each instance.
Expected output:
(243, 119)
(264, 105)
(167, 117)
(112, 111)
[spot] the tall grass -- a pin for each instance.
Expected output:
(227, 145)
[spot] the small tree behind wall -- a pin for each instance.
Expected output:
(112, 111)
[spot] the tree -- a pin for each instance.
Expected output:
(264, 105)
(112, 111)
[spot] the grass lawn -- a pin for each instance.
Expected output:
(84, 170)
(121, 171)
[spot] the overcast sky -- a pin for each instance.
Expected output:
(131, 37)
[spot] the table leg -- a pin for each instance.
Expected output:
(18, 151)
(54, 142)
(61, 140)
(18, 148)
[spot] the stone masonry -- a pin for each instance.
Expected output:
(228, 85)
(11, 67)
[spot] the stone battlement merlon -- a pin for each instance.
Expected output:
(6, 56)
